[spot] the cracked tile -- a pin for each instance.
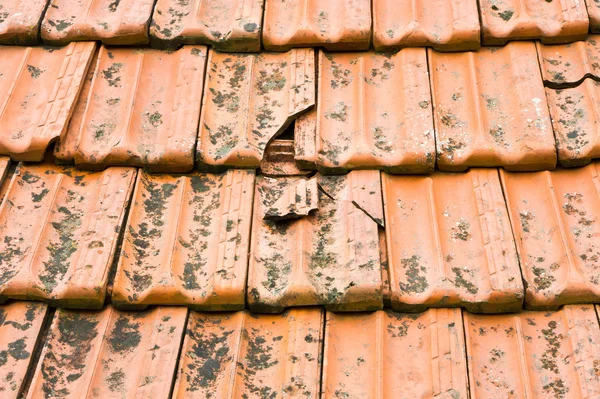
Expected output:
(20, 21)
(567, 65)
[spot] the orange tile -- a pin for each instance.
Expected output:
(330, 257)
(249, 99)
(555, 221)
(58, 230)
(109, 353)
(342, 25)
(534, 354)
(393, 355)
(451, 250)
(118, 22)
(568, 64)
(241, 355)
(305, 139)
(593, 9)
(385, 272)
(20, 21)
(136, 114)
(441, 24)
(186, 242)
(561, 21)
(279, 160)
(38, 90)
(490, 109)
(289, 199)
(227, 25)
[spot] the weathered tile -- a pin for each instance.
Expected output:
(560, 21)
(110, 353)
(593, 9)
(241, 355)
(490, 109)
(20, 21)
(143, 109)
(442, 24)
(289, 199)
(279, 159)
(534, 354)
(450, 243)
(118, 22)
(330, 257)
(249, 99)
(58, 229)
(186, 242)
(393, 355)
(567, 65)
(227, 25)
(342, 25)
(555, 222)
(38, 90)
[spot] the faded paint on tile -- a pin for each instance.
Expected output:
(20, 21)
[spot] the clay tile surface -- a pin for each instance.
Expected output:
(367, 355)
(38, 90)
(20, 21)
(335, 25)
(279, 159)
(20, 325)
(593, 9)
(290, 199)
(490, 109)
(118, 22)
(270, 356)
(534, 354)
(442, 24)
(186, 241)
(330, 257)
(227, 25)
(142, 109)
(555, 221)
(249, 99)
(560, 21)
(59, 228)
(374, 112)
(569, 64)
(451, 250)
(110, 353)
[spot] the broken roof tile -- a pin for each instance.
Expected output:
(561, 21)
(38, 90)
(342, 25)
(330, 257)
(366, 355)
(534, 354)
(59, 228)
(186, 241)
(249, 100)
(290, 199)
(451, 250)
(227, 25)
(279, 160)
(490, 109)
(117, 22)
(138, 114)
(569, 64)
(441, 24)
(20, 21)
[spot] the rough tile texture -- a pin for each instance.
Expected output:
(240, 355)
(20, 21)
(393, 355)
(445, 25)
(450, 243)
(226, 25)
(58, 232)
(38, 90)
(290, 200)
(490, 109)
(567, 65)
(593, 9)
(330, 257)
(279, 160)
(186, 242)
(342, 25)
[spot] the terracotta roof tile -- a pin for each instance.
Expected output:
(393, 355)
(451, 250)
(227, 355)
(227, 25)
(330, 257)
(249, 99)
(568, 64)
(534, 354)
(442, 24)
(143, 109)
(38, 88)
(59, 229)
(289, 199)
(279, 159)
(550, 21)
(20, 21)
(593, 9)
(490, 109)
(119, 22)
(186, 241)
(342, 25)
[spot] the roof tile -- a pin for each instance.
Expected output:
(290, 199)
(593, 9)
(20, 21)
(279, 159)
(568, 64)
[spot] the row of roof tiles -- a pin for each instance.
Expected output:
(303, 352)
